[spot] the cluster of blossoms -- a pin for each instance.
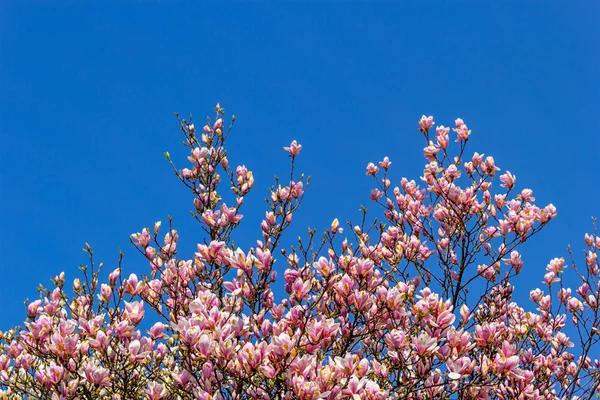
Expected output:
(418, 307)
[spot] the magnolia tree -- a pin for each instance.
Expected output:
(419, 306)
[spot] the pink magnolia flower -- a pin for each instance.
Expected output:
(372, 169)
(508, 180)
(442, 137)
(424, 344)
(294, 148)
(425, 123)
(460, 367)
(385, 163)
(134, 311)
(95, 374)
(156, 391)
(462, 130)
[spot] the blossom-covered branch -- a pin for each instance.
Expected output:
(419, 306)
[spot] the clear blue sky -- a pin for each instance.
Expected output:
(88, 92)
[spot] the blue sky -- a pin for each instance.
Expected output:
(88, 92)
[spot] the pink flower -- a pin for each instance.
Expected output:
(96, 375)
(431, 151)
(205, 345)
(556, 266)
(385, 164)
(506, 361)
(134, 311)
(281, 345)
(156, 391)
(424, 344)
(508, 180)
(425, 123)
(515, 260)
(551, 278)
(462, 130)
(132, 285)
(460, 367)
(157, 331)
(55, 373)
(589, 240)
(294, 148)
(105, 292)
(354, 388)
(114, 275)
(442, 136)
(372, 169)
